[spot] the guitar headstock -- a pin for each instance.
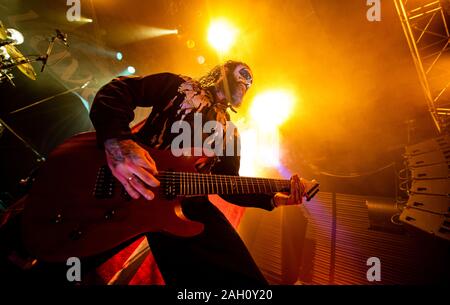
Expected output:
(311, 188)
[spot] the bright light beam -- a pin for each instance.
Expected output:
(222, 35)
(152, 32)
(260, 145)
(272, 108)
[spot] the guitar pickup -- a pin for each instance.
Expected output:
(104, 183)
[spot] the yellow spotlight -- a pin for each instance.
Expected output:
(271, 108)
(221, 35)
(190, 44)
(201, 60)
(152, 32)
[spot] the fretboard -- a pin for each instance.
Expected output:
(182, 183)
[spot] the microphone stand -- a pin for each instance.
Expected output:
(40, 158)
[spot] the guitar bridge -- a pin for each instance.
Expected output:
(104, 184)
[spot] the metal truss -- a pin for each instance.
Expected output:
(425, 27)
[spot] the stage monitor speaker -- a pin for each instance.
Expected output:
(431, 187)
(435, 224)
(428, 207)
(427, 146)
(429, 158)
(435, 171)
(430, 203)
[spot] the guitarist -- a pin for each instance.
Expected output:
(218, 255)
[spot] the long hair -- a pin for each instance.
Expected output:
(211, 78)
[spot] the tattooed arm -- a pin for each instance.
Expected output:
(111, 114)
(132, 166)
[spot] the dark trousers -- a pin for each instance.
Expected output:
(217, 257)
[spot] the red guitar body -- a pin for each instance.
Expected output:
(63, 217)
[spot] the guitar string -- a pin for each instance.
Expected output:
(229, 181)
(194, 183)
(183, 175)
(192, 177)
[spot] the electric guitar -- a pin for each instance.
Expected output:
(76, 207)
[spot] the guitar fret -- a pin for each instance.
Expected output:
(180, 184)
(205, 183)
(196, 184)
(204, 180)
(217, 186)
(271, 188)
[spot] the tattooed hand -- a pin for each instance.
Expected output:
(132, 166)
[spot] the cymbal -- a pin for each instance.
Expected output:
(18, 58)
(21, 61)
(3, 32)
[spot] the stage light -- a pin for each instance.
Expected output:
(201, 60)
(260, 135)
(84, 20)
(221, 35)
(119, 56)
(190, 44)
(271, 108)
(260, 149)
(16, 36)
(152, 32)
(131, 70)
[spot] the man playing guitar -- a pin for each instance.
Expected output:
(218, 255)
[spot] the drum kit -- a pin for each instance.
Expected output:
(11, 57)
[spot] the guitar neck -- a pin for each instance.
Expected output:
(182, 183)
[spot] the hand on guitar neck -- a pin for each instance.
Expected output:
(295, 196)
(133, 166)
